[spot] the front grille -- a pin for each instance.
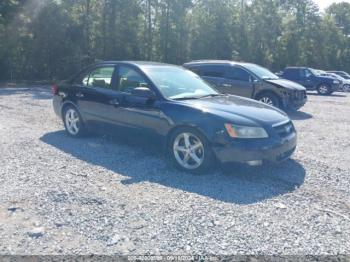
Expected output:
(300, 94)
(284, 129)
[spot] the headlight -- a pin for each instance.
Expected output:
(336, 82)
(245, 131)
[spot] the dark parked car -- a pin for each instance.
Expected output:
(195, 123)
(251, 81)
(312, 79)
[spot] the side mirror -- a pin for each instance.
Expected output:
(144, 92)
(253, 80)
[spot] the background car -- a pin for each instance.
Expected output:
(251, 81)
(311, 79)
(341, 73)
(174, 107)
(344, 83)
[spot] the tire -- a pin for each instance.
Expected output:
(73, 122)
(269, 99)
(188, 143)
(324, 89)
(346, 88)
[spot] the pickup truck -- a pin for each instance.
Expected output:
(251, 81)
(311, 79)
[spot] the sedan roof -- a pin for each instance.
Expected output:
(217, 62)
(137, 63)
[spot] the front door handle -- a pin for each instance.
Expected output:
(79, 94)
(226, 85)
(115, 102)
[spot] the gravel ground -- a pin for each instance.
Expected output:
(98, 195)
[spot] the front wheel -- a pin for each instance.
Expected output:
(73, 122)
(269, 99)
(324, 89)
(190, 151)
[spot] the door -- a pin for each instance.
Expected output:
(96, 95)
(305, 78)
(238, 82)
(139, 113)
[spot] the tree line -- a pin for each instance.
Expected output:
(51, 39)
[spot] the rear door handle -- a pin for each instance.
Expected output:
(115, 102)
(226, 85)
(79, 94)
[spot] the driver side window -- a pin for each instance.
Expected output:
(237, 74)
(129, 79)
(305, 73)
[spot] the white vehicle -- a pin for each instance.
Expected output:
(345, 83)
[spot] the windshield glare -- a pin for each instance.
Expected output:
(178, 83)
(261, 72)
(315, 72)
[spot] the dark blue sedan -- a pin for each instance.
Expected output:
(196, 124)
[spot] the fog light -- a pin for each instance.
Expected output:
(255, 163)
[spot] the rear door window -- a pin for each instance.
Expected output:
(292, 73)
(99, 77)
(213, 71)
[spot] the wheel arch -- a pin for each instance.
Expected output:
(183, 126)
(262, 92)
(67, 104)
(329, 86)
(323, 83)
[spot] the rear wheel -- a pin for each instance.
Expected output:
(269, 99)
(190, 151)
(73, 122)
(324, 89)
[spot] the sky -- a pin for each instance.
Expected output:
(323, 4)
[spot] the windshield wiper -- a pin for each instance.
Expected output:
(186, 98)
(212, 95)
(198, 97)
(271, 78)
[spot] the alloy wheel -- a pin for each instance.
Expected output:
(188, 150)
(266, 100)
(323, 89)
(72, 121)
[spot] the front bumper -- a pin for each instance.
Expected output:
(336, 87)
(295, 100)
(269, 150)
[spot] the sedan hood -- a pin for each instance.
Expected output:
(287, 84)
(234, 108)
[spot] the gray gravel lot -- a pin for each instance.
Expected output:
(60, 195)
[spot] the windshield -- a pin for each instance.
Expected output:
(178, 83)
(345, 75)
(315, 72)
(261, 72)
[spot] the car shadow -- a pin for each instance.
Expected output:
(299, 115)
(141, 162)
(332, 95)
